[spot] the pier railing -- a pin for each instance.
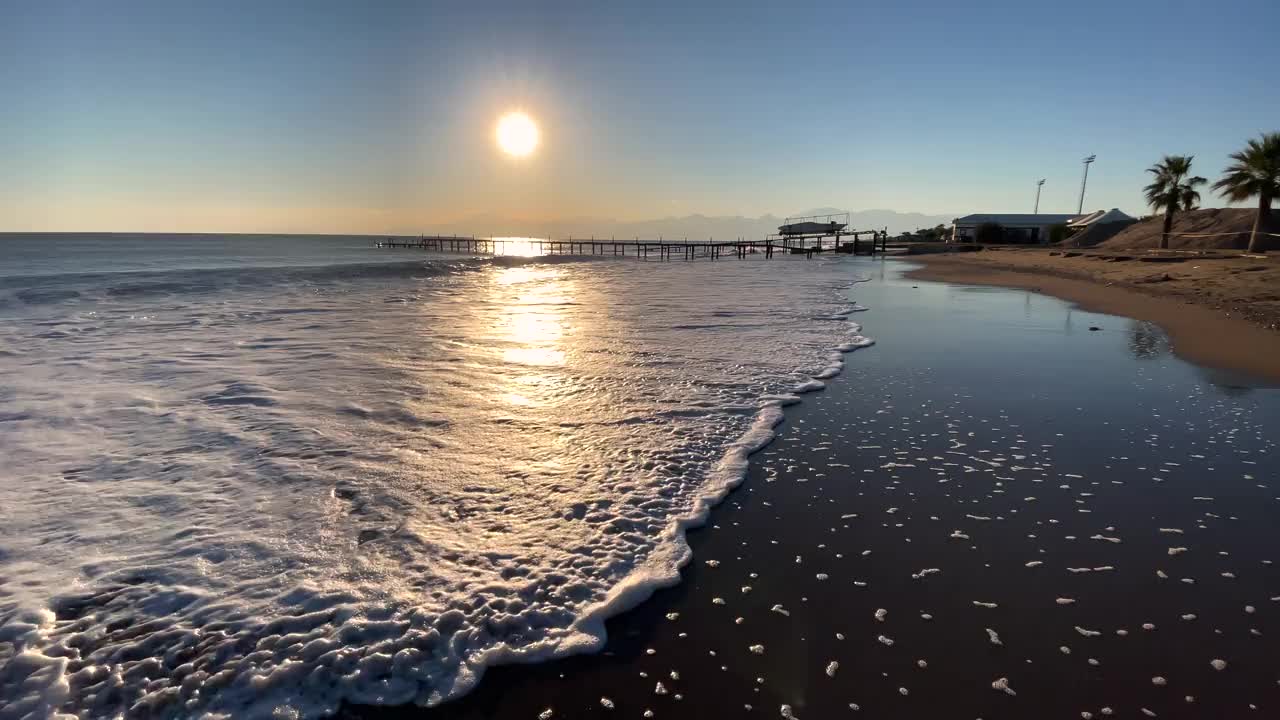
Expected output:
(660, 249)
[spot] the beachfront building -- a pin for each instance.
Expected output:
(1014, 228)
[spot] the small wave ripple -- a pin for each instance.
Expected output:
(255, 491)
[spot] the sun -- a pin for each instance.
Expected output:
(517, 134)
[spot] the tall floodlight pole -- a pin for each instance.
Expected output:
(1038, 185)
(1084, 181)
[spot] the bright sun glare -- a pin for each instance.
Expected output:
(517, 134)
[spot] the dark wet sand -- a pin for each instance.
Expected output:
(871, 484)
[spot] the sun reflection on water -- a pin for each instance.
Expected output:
(530, 329)
(518, 246)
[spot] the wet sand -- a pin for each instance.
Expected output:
(994, 513)
(1222, 313)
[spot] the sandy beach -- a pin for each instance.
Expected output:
(488, 361)
(1084, 529)
(1219, 311)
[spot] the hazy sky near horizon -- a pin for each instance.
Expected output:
(343, 117)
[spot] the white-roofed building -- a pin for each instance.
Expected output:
(1017, 228)
(1101, 217)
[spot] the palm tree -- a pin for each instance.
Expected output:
(1256, 171)
(1172, 189)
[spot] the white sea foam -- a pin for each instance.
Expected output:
(274, 491)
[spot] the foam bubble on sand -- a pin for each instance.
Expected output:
(993, 636)
(606, 703)
(1159, 681)
(546, 714)
(756, 649)
(1065, 601)
(832, 667)
(1176, 550)
(988, 605)
(855, 343)
(809, 386)
(1002, 684)
(880, 614)
(1085, 632)
(1218, 664)
(786, 713)
(885, 640)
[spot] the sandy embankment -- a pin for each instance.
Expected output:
(1221, 312)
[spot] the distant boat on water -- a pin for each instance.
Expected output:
(811, 228)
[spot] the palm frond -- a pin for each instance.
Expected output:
(1188, 198)
(1255, 170)
(1171, 188)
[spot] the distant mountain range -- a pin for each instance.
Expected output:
(690, 226)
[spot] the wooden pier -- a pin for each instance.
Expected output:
(659, 249)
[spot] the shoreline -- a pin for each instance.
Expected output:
(1199, 333)
(868, 501)
(626, 601)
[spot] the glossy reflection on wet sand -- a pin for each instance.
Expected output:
(997, 512)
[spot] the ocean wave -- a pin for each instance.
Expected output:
(143, 284)
(310, 497)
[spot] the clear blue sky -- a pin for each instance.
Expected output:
(319, 116)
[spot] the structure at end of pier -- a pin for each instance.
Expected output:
(812, 231)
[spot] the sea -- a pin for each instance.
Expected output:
(266, 476)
